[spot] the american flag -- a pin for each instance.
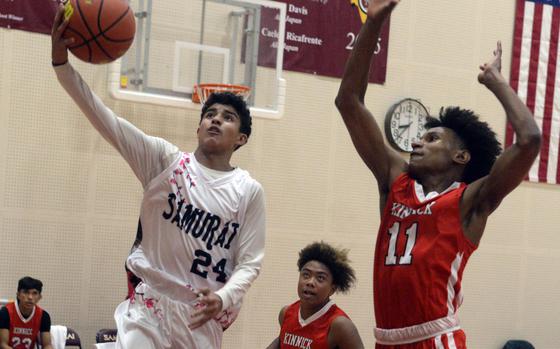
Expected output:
(535, 76)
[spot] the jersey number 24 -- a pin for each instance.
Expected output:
(204, 261)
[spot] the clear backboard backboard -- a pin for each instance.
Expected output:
(182, 43)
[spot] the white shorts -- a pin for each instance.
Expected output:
(153, 321)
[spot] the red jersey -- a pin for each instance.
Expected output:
(420, 256)
(311, 333)
(24, 332)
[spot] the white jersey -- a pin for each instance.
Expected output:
(198, 231)
(201, 223)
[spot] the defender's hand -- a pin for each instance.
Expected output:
(491, 72)
(378, 10)
(211, 305)
(59, 44)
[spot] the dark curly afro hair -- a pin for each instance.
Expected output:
(476, 136)
(335, 259)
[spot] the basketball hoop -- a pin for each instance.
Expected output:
(201, 92)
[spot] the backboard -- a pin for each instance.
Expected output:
(182, 43)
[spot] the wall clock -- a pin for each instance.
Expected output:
(404, 123)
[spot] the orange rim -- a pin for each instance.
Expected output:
(202, 91)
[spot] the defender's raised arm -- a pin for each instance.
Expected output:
(483, 196)
(366, 135)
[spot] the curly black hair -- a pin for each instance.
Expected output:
(476, 136)
(335, 259)
(235, 101)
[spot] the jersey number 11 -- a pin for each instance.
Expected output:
(406, 258)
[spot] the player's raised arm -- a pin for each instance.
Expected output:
(366, 135)
(146, 155)
(59, 53)
(483, 196)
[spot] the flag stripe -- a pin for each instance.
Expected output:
(535, 76)
(549, 97)
(542, 20)
(525, 53)
(516, 61)
(553, 175)
(517, 37)
(534, 57)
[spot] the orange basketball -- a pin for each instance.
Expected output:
(103, 30)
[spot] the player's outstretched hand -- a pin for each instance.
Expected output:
(491, 72)
(211, 306)
(59, 44)
(378, 10)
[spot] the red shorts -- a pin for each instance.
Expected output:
(451, 340)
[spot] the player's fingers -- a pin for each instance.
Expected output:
(64, 24)
(60, 30)
(56, 21)
(203, 296)
(199, 318)
(63, 18)
(58, 15)
(204, 291)
(200, 311)
(61, 24)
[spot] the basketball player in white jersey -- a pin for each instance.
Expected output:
(202, 220)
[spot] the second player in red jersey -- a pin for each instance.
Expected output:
(434, 207)
(314, 321)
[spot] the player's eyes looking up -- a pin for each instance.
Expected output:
(319, 277)
(430, 137)
(229, 116)
(226, 115)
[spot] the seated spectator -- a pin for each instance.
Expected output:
(23, 324)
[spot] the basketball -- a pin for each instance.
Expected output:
(103, 30)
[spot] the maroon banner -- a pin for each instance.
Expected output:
(319, 37)
(30, 15)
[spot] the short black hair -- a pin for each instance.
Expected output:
(335, 259)
(235, 101)
(29, 283)
(476, 136)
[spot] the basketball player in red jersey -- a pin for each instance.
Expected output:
(23, 323)
(434, 208)
(315, 322)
